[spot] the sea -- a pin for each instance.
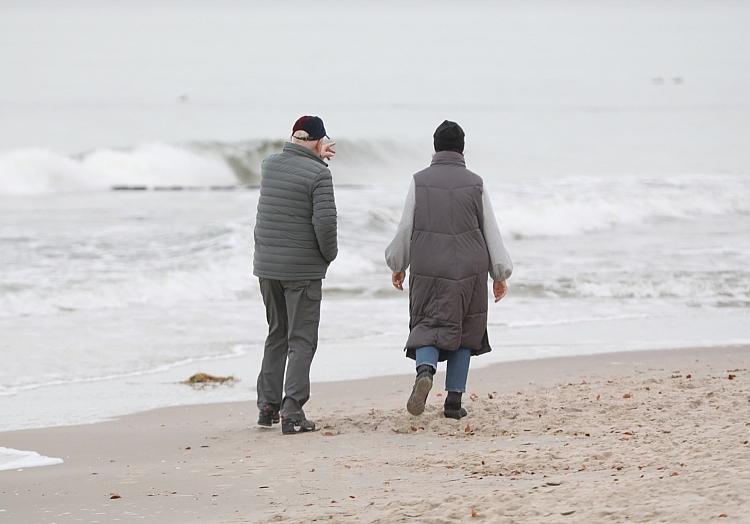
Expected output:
(613, 137)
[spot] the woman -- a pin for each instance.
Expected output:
(449, 238)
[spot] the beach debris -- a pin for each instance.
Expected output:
(566, 513)
(468, 430)
(474, 397)
(204, 379)
(723, 515)
(474, 513)
(114, 496)
(689, 375)
(732, 376)
(627, 395)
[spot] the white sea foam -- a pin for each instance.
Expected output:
(575, 205)
(17, 459)
(34, 171)
(130, 257)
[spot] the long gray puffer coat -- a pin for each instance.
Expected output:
(295, 229)
(449, 260)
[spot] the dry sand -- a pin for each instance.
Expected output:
(658, 436)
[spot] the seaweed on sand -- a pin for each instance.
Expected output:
(204, 379)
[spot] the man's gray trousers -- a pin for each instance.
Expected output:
(293, 314)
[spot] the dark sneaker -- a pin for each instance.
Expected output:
(422, 387)
(291, 426)
(452, 407)
(268, 415)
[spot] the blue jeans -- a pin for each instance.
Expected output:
(458, 365)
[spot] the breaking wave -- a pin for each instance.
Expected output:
(193, 165)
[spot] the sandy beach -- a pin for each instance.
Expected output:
(656, 436)
(136, 209)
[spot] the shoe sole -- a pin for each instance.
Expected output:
(418, 396)
(299, 432)
(261, 425)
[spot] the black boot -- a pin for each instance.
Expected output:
(268, 414)
(452, 407)
(422, 387)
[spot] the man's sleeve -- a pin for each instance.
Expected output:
(324, 216)
(501, 265)
(398, 253)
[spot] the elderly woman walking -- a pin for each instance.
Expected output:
(449, 238)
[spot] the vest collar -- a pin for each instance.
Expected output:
(297, 149)
(448, 157)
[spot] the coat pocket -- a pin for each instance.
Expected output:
(314, 290)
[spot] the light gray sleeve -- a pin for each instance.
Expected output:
(324, 216)
(397, 254)
(501, 264)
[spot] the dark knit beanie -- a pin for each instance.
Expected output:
(449, 137)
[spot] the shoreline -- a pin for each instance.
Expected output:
(551, 431)
(176, 373)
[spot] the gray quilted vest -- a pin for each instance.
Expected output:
(449, 259)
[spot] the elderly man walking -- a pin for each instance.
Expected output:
(295, 241)
(449, 238)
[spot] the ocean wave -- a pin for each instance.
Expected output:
(526, 207)
(38, 171)
(576, 205)
(168, 251)
(208, 164)
(716, 288)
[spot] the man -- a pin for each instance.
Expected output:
(295, 241)
(449, 236)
